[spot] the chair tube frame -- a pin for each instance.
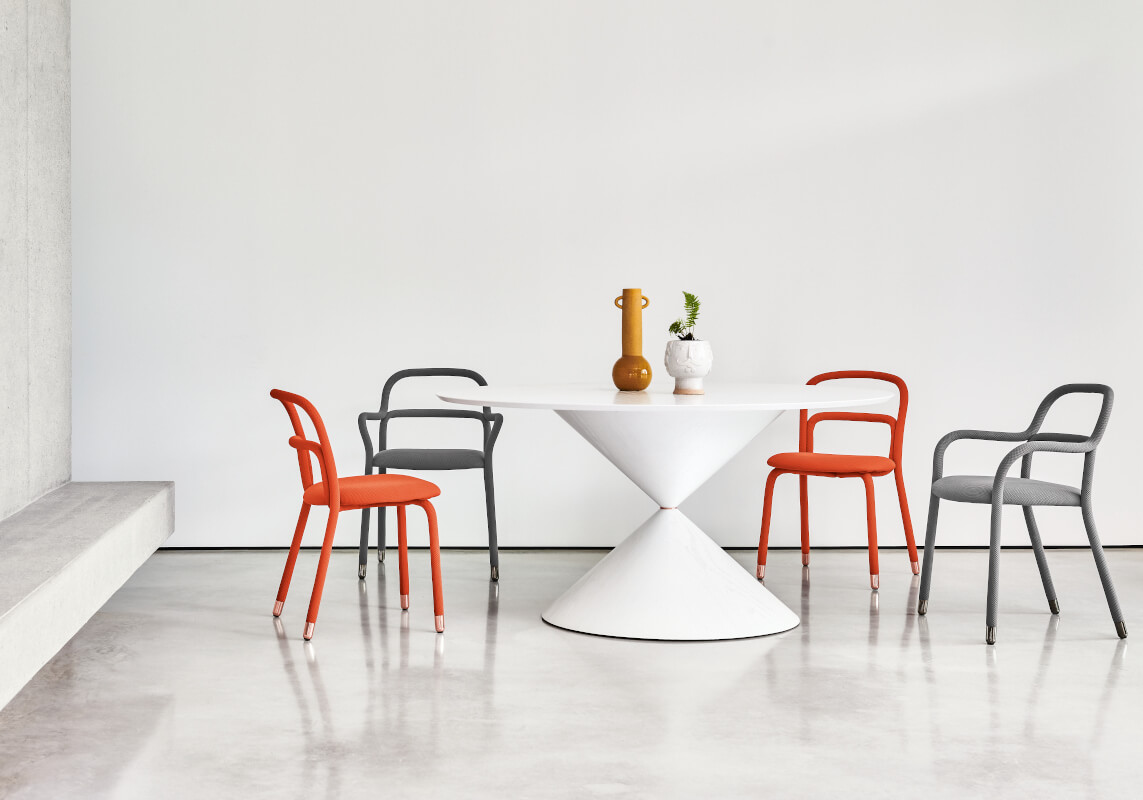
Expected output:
(1033, 441)
(806, 426)
(328, 472)
(491, 423)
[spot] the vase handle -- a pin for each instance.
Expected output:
(619, 302)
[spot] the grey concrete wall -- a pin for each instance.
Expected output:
(35, 249)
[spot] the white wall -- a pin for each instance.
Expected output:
(311, 196)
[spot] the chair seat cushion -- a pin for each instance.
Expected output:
(429, 459)
(374, 490)
(1017, 491)
(831, 463)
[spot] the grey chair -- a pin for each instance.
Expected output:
(999, 490)
(385, 458)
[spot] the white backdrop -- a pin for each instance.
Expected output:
(312, 196)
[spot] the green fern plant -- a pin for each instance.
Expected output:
(684, 328)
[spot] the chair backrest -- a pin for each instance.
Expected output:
(484, 416)
(1033, 431)
(431, 372)
(896, 424)
(321, 448)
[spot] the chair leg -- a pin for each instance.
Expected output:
(993, 572)
(363, 546)
(381, 516)
(490, 505)
(1104, 572)
(291, 559)
(930, 548)
(907, 521)
(435, 562)
(764, 538)
(1041, 560)
(804, 499)
(319, 580)
(403, 557)
(871, 515)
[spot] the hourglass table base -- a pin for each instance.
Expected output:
(668, 580)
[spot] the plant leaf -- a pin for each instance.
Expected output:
(691, 304)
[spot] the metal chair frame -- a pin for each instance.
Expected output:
(1033, 442)
(328, 472)
(806, 425)
(491, 423)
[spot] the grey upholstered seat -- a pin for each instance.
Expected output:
(1025, 492)
(429, 459)
(384, 458)
(1017, 491)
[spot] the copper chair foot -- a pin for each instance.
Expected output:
(278, 608)
(440, 623)
(923, 607)
(309, 634)
(1121, 629)
(805, 559)
(404, 602)
(990, 634)
(496, 573)
(361, 571)
(916, 567)
(1054, 606)
(381, 554)
(874, 581)
(760, 573)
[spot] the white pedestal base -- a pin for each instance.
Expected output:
(668, 580)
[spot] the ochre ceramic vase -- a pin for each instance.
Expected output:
(631, 372)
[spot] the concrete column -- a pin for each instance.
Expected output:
(35, 249)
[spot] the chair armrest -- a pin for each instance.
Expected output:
(490, 437)
(845, 416)
(1026, 449)
(366, 439)
(443, 413)
(986, 436)
(303, 445)
(1072, 438)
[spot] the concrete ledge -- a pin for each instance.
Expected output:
(62, 557)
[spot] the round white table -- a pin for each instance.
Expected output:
(668, 580)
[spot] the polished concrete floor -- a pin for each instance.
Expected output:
(184, 686)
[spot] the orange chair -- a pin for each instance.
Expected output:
(352, 494)
(829, 465)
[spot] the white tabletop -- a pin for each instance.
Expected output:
(734, 396)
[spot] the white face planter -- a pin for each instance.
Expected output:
(688, 362)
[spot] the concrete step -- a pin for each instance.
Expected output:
(63, 556)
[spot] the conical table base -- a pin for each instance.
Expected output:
(668, 580)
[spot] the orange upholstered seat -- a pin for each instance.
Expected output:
(831, 464)
(374, 490)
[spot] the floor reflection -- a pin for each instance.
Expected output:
(318, 774)
(863, 692)
(392, 716)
